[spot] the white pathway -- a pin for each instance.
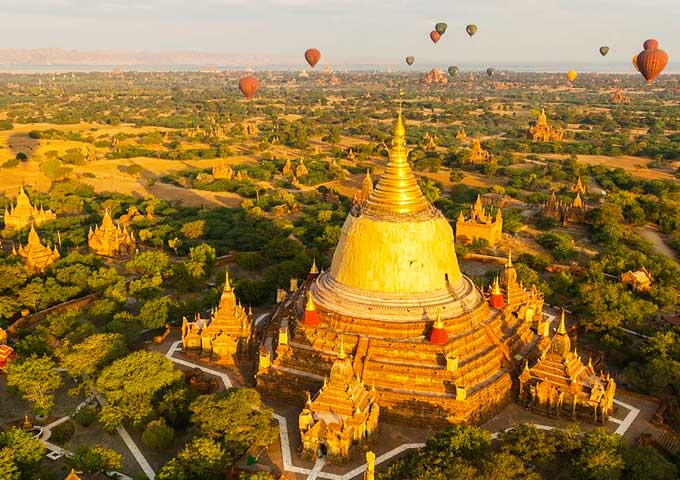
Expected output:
(316, 472)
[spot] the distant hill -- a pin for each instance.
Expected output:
(58, 56)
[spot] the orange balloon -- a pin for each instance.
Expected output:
(652, 60)
(434, 36)
(312, 56)
(571, 75)
(248, 86)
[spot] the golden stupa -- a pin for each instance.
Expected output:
(415, 328)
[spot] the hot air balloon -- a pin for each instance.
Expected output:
(604, 50)
(652, 60)
(635, 63)
(441, 28)
(248, 86)
(312, 56)
(453, 70)
(471, 29)
(435, 36)
(571, 75)
(410, 59)
(490, 71)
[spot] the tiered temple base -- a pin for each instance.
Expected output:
(465, 380)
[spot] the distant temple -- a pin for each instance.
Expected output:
(249, 129)
(542, 132)
(342, 413)
(226, 336)
(477, 153)
(559, 382)
(287, 169)
(435, 76)
(36, 256)
(578, 187)
(351, 156)
(222, 171)
(639, 280)
(575, 212)
(366, 189)
(430, 142)
(618, 97)
(461, 135)
(109, 239)
(24, 214)
(301, 169)
(479, 225)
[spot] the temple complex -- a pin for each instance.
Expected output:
(479, 225)
(226, 336)
(111, 240)
(23, 213)
(342, 413)
(396, 309)
(564, 213)
(559, 382)
(638, 281)
(435, 76)
(477, 153)
(222, 171)
(542, 132)
(461, 135)
(249, 129)
(36, 255)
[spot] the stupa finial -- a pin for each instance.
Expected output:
(341, 355)
(562, 329)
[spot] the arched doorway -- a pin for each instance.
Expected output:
(323, 451)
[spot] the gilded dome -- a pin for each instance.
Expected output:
(395, 259)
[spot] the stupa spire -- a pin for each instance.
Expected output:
(227, 284)
(397, 191)
(314, 268)
(341, 355)
(562, 329)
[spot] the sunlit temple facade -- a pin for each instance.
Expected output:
(343, 413)
(109, 239)
(23, 213)
(565, 213)
(559, 383)
(394, 301)
(226, 336)
(36, 255)
(542, 132)
(479, 225)
(477, 153)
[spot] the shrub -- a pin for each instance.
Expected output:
(63, 432)
(12, 162)
(158, 436)
(86, 416)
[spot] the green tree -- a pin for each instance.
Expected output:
(193, 230)
(601, 456)
(647, 463)
(237, 417)
(129, 385)
(8, 467)
(148, 263)
(154, 313)
(25, 450)
(85, 359)
(158, 435)
(528, 443)
(201, 259)
(203, 458)
(95, 459)
(35, 378)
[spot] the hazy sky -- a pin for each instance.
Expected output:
(382, 31)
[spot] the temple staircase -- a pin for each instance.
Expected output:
(496, 341)
(360, 356)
